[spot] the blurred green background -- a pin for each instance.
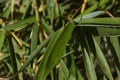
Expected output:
(59, 39)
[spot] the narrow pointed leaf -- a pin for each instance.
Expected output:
(72, 68)
(46, 27)
(110, 21)
(50, 9)
(88, 16)
(116, 46)
(118, 72)
(95, 6)
(103, 31)
(20, 24)
(34, 54)
(102, 61)
(64, 70)
(2, 38)
(12, 56)
(79, 76)
(34, 39)
(90, 71)
(54, 51)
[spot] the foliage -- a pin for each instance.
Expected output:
(59, 39)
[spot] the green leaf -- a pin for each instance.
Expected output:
(95, 6)
(102, 61)
(103, 31)
(4, 57)
(116, 46)
(6, 12)
(20, 24)
(72, 69)
(79, 76)
(12, 56)
(50, 9)
(90, 71)
(118, 72)
(63, 71)
(34, 54)
(101, 21)
(25, 7)
(88, 16)
(46, 27)
(34, 39)
(54, 51)
(2, 38)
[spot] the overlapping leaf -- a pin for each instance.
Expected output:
(54, 51)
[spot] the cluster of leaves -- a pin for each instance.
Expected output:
(59, 40)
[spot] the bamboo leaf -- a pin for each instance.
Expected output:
(50, 9)
(12, 56)
(31, 57)
(116, 46)
(72, 68)
(95, 6)
(79, 76)
(103, 31)
(102, 61)
(88, 16)
(34, 54)
(20, 24)
(90, 71)
(54, 51)
(107, 21)
(118, 72)
(25, 7)
(64, 72)
(46, 27)
(2, 38)
(34, 39)
(6, 12)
